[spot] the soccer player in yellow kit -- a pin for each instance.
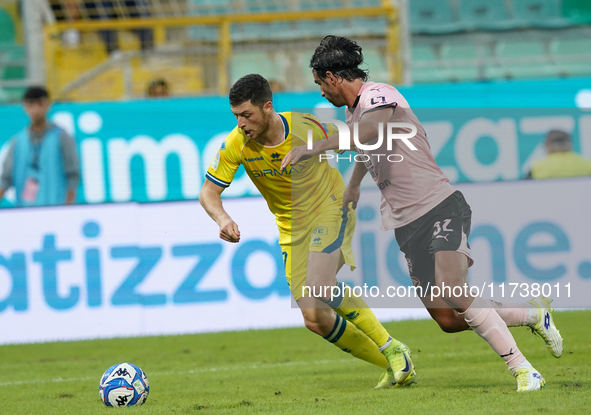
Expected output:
(314, 231)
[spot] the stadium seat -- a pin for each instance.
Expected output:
(572, 57)
(7, 32)
(211, 6)
(538, 13)
(365, 3)
(4, 96)
(428, 68)
(423, 53)
(427, 16)
(570, 47)
(281, 30)
(368, 26)
(376, 63)
(257, 6)
(204, 33)
(14, 62)
(513, 63)
(14, 94)
(484, 14)
(320, 28)
(461, 61)
(250, 61)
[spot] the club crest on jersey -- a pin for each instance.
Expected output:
(320, 230)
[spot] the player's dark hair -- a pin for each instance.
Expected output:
(251, 87)
(339, 55)
(35, 92)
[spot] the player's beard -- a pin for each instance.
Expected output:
(334, 100)
(262, 132)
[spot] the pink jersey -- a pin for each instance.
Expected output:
(411, 187)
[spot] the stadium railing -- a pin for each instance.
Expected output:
(103, 53)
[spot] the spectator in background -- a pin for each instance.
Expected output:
(41, 163)
(561, 161)
(111, 10)
(158, 88)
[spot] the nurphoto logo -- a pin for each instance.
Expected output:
(391, 135)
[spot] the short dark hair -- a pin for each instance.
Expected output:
(341, 56)
(251, 87)
(35, 92)
(157, 82)
(557, 137)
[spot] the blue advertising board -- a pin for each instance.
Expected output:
(159, 150)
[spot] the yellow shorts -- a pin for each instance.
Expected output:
(331, 229)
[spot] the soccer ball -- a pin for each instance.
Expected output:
(124, 384)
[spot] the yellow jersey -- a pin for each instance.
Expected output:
(295, 194)
(561, 164)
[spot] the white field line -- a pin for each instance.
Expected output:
(253, 366)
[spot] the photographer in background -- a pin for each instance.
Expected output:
(41, 163)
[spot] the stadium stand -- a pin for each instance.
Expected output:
(469, 40)
(452, 41)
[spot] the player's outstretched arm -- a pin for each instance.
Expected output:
(352, 191)
(211, 200)
(302, 153)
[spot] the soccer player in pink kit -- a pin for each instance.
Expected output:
(430, 218)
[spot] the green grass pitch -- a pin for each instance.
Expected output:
(292, 371)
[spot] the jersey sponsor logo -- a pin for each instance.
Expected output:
(250, 160)
(274, 172)
(384, 184)
(215, 162)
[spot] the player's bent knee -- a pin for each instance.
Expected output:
(451, 322)
(448, 326)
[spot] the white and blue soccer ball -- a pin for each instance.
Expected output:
(124, 384)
